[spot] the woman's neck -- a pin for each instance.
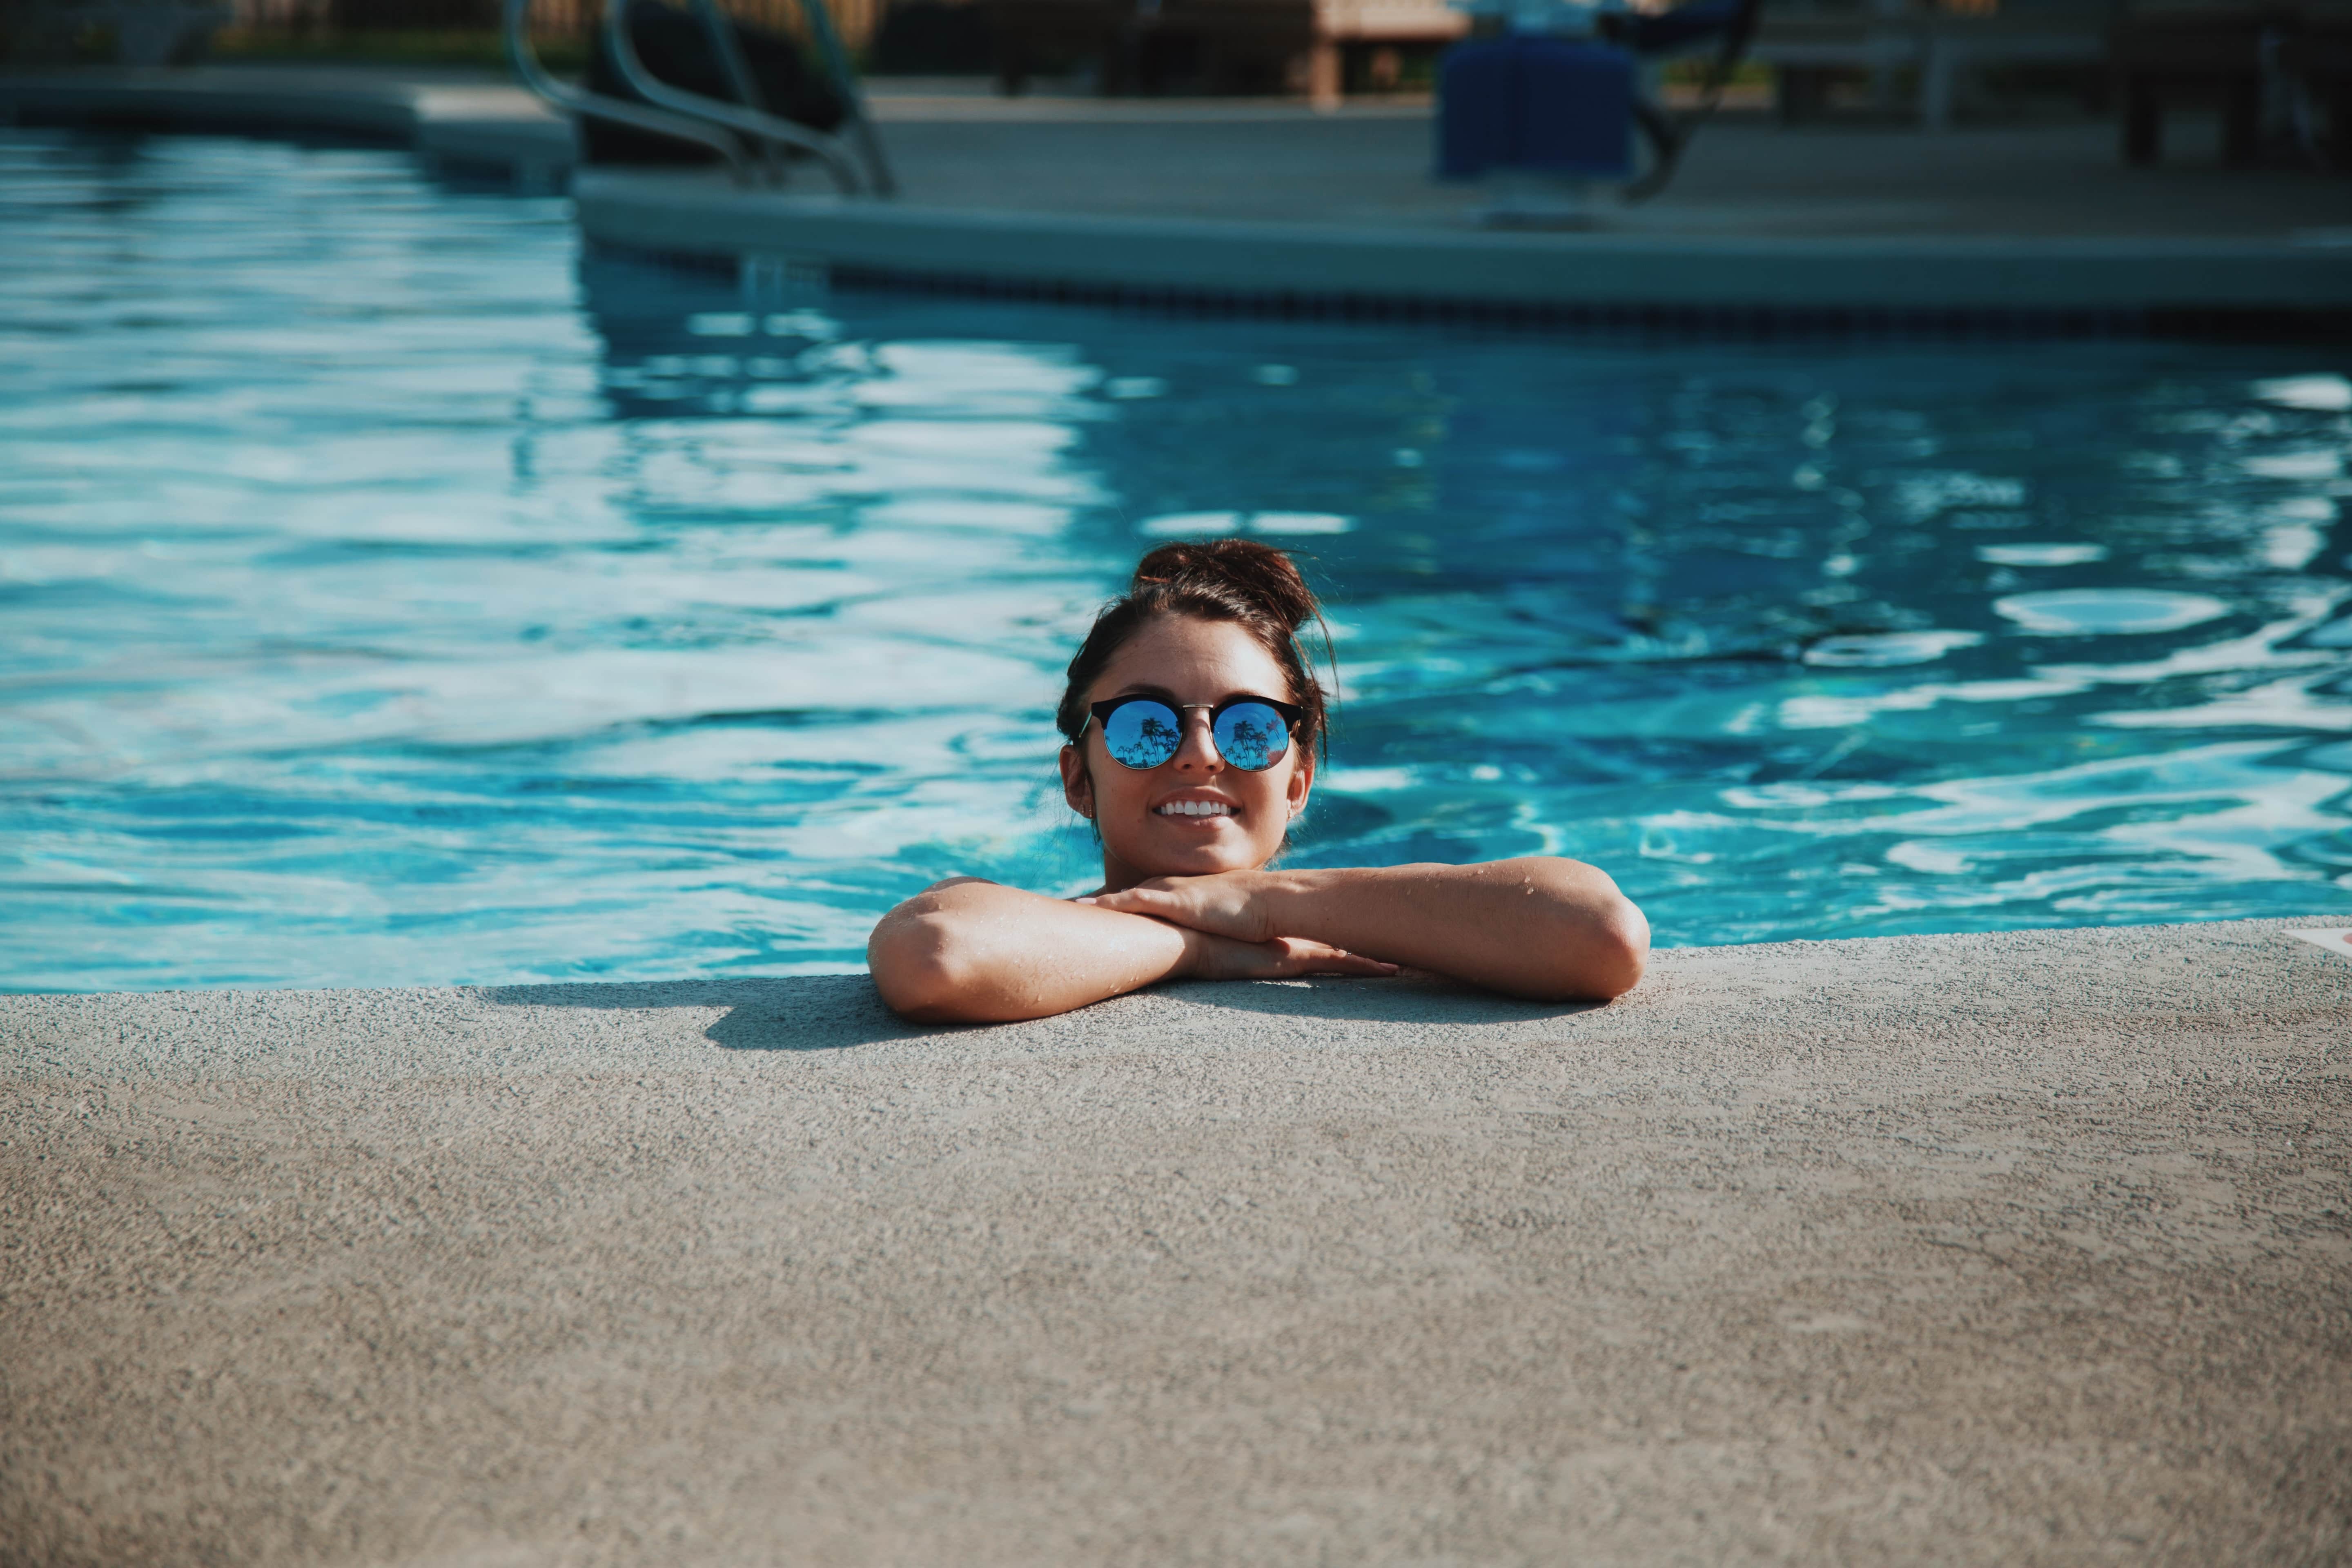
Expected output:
(1118, 876)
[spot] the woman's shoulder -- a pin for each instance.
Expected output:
(945, 883)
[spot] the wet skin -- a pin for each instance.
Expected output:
(1188, 896)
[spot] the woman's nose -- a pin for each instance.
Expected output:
(1199, 752)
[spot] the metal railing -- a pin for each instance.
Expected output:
(756, 145)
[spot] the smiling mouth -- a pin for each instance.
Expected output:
(1194, 808)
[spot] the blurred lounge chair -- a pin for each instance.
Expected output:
(1939, 45)
(2278, 72)
(2317, 64)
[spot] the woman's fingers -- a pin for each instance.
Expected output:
(1301, 957)
(1163, 903)
(1222, 903)
(1349, 964)
(1130, 901)
(1284, 958)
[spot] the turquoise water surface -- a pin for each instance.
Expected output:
(390, 594)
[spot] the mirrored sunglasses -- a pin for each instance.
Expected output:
(1252, 733)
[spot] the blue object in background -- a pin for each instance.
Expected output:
(1545, 105)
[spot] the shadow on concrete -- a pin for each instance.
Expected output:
(841, 1011)
(1408, 999)
(804, 1012)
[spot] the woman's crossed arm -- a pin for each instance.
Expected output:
(1541, 927)
(966, 950)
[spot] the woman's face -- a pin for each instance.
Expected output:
(1184, 661)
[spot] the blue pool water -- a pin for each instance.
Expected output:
(388, 594)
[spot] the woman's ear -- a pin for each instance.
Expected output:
(1302, 779)
(1077, 788)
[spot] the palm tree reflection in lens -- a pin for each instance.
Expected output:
(1249, 735)
(1252, 737)
(1155, 738)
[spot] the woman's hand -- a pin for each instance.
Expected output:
(1537, 926)
(1212, 957)
(1235, 904)
(1229, 924)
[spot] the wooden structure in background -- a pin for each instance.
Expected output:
(573, 21)
(1343, 24)
(1216, 46)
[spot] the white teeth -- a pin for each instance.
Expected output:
(1196, 808)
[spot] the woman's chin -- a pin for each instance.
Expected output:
(1205, 855)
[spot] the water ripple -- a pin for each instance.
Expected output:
(392, 593)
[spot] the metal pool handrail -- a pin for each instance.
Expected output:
(572, 100)
(767, 131)
(708, 122)
(844, 81)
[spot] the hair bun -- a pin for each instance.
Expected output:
(1258, 575)
(1252, 585)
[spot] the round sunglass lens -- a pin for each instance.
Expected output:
(1143, 734)
(1252, 736)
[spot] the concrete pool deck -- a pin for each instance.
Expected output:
(2033, 1247)
(1272, 205)
(466, 119)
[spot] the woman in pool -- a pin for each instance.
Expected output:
(1193, 721)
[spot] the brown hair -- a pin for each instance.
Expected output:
(1255, 586)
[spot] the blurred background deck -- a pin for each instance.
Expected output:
(2144, 155)
(957, 145)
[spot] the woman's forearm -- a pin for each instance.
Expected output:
(974, 952)
(1539, 926)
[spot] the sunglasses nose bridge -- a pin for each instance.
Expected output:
(1196, 746)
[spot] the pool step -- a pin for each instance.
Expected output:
(1908, 281)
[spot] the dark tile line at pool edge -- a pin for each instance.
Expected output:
(394, 119)
(2204, 323)
(256, 123)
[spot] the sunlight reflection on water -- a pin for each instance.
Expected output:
(392, 595)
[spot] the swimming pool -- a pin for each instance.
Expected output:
(391, 595)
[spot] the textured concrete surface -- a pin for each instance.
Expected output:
(2121, 281)
(2023, 1249)
(1234, 202)
(1746, 175)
